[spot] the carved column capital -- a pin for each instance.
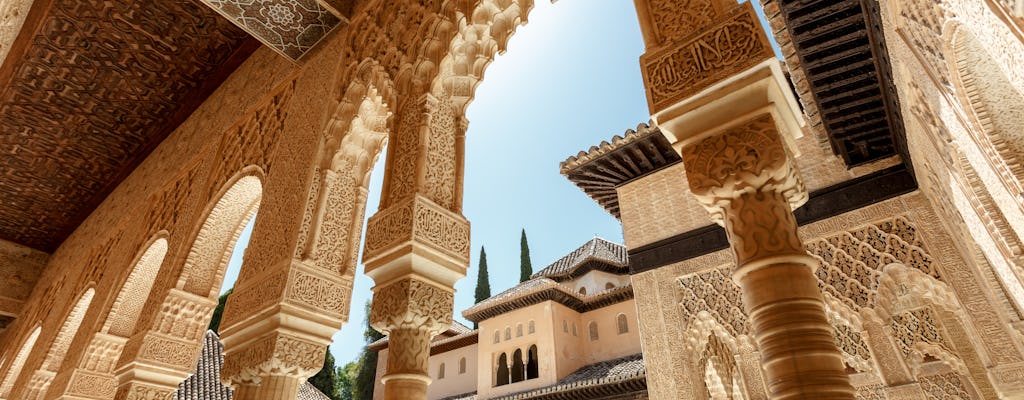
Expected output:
(274, 354)
(746, 179)
(747, 158)
(412, 304)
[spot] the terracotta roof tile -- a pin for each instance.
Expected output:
(604, 252)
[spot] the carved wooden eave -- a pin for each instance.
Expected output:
(539, 290)
(838, 50)
(293, 28)
(81, 108)
(601, 169)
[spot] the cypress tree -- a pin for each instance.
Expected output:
(525, 267)
(483, 284)
(324, 380)
(219, 311)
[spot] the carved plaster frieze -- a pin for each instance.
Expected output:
(274, 354)
(676, 72)
(92, 385)
(417, 222)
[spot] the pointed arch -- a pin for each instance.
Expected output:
(42, 377)
(995, 106)
(135, 291)
(18, 362)
(211, 249)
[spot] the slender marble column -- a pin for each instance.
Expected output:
(745, 178)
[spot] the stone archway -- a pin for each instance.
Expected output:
(173, 340)
(17, 363)
(93, 377)
(40, 381)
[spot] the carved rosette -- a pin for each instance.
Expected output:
(276, 354)
(747, 181)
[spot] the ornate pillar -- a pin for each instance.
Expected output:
(156, 360)
(718, 93)
(417, 245)
(94, 377)
(746, 179)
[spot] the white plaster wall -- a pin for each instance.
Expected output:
(453, 382)
(610, 344)
(595, 281)
(543, 337)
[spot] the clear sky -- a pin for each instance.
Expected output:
(570, 79)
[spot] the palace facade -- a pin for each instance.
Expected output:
(570, 332)
(844, 222)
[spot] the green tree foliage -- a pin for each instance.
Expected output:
(483, 282)
(325, 380)
(344, 378)
(367, 370)
(219, 311)
(525, 267)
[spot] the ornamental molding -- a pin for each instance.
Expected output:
(418, 223)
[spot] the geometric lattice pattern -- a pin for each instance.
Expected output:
(851, 262)
(855, 351)
(946, 386)
(713, 291)
(917, 326)
(292, 27)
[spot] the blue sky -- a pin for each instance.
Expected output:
(570, 79)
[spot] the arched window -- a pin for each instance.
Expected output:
(565, 326)
(593, 330)
(574, 332)
(583, 290)
(518, 368)
(501, 374)
(519, 330)
(532, 370)
(508, 333)
(440, 372)
(532, 328)
(623, 323)
(17, 363)
(609, 285)
(462, 365)
(497, 336)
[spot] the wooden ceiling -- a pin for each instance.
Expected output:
(89, 89)
(842, 52)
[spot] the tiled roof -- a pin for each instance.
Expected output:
(595, 254)
(600, 170)
(464, 396)
(607, 378)
(538, 290)
(457, 335)
(205, 383)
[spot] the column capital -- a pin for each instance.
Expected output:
(746, 158)
(412, 304)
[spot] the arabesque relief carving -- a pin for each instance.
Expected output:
(683, 69)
